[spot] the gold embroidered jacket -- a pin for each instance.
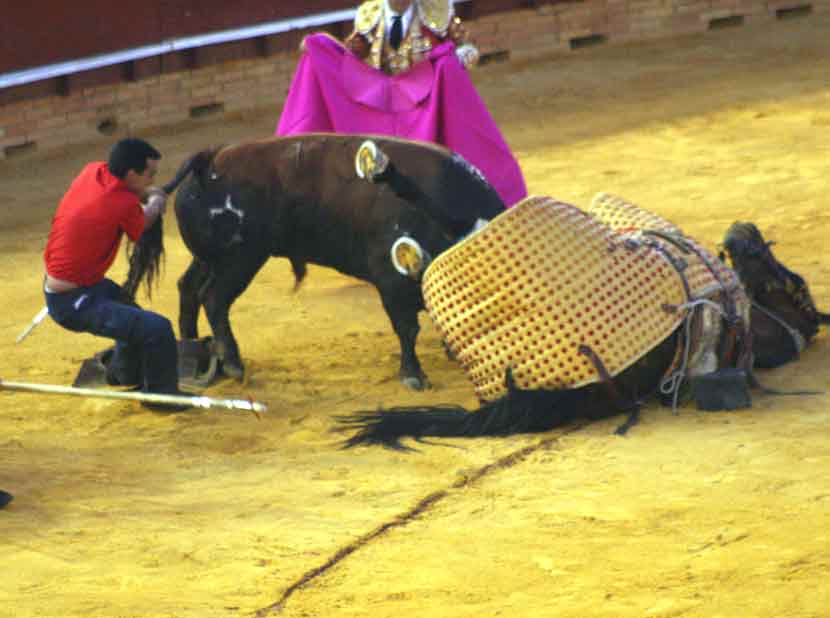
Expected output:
(433, 22)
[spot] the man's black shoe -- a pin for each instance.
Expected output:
(5, 498)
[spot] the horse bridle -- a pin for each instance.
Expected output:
(765, 255)
(729, 305)
(727, 308)
(798, 339)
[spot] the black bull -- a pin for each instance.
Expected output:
(300, 198)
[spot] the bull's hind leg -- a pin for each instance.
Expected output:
(190, 284)
(231, 277)
(402, 303)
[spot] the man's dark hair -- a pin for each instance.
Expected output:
(131, 154)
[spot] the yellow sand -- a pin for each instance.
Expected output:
(120, 512)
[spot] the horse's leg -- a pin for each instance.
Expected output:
(230, 277)
(402, 306)
(189, 284)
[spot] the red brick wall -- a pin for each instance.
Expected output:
(163, 97)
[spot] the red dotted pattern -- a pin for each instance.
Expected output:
(537, 282)
(624, 217)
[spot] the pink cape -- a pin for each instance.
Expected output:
(334, 91)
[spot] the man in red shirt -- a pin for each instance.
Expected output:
(106, 201)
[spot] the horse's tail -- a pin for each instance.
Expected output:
(517, 412)
(145, 256)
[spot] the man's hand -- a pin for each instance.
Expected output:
(151, 191)
(155, 205)
(458, 33)
(467, 54)
(357, 44)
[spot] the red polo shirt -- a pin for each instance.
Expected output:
(87, 228)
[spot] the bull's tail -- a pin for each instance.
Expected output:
(517, 412)
(197, 161)
(145, 257)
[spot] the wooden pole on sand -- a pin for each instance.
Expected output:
(196, 401)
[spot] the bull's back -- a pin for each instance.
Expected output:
(302, 197)
(340, 220)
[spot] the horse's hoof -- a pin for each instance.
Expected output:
(416, 383)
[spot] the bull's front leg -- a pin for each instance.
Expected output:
(194, 279)
(231, 277)
(402, 306)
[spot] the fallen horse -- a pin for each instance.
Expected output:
(557, 314)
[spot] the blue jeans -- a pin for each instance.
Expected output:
(145, 349)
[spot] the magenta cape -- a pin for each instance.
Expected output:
(334, 91)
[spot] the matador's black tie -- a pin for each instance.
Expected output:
(396, 35)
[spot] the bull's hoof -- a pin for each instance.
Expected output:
(198, 363)
(5, 498)
(234, 370)
(416, 383)
(370, 161)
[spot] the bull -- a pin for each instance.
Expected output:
(323, 199)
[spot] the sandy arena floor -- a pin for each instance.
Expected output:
(123, 513)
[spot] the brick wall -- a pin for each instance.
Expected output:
(98, 111)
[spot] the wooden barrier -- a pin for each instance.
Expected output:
(253, 73)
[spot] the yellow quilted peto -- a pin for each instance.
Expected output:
(706, 275)
(541, 280)
(621, 215)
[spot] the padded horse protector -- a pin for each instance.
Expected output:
(706, 276)
(539, 282)
(545, 282)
